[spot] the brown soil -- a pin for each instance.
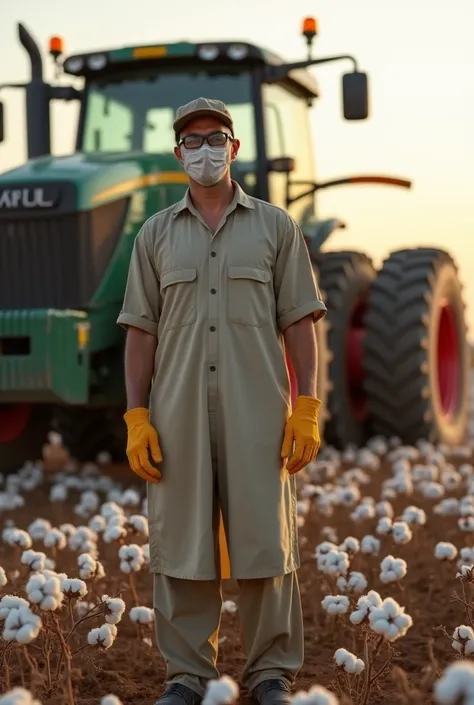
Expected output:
(134, 672)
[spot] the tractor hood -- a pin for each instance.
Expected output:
(80, 182)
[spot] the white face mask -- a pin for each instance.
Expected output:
(206, 165)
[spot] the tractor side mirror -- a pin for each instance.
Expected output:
(282, 165)
(2, 122)
(355, 96)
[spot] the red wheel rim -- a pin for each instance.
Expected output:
(13, 421)
(448, 362)
(354, 358)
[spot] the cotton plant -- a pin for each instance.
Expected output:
(221, 691)
(456, 685)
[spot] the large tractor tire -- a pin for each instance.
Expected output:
(24, 430)
(86, 432)
(345, 279)
(324, 358)
(416, 350)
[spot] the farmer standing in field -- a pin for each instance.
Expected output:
(219, 284)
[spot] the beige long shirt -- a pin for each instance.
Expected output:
(218, 303)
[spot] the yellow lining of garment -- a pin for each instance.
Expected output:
(167, 177)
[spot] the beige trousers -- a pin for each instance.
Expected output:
(187, 620)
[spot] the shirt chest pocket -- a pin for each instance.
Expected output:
(249, 296)
(178, 290)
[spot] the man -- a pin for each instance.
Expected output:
(219, 284)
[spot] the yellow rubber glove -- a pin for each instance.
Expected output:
(142, 438)
(302, 429)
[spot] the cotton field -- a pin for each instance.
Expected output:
(387, 576)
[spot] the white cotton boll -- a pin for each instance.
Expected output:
(139, 524)
(451, 480)
(456, 685)
(350, 545)
(335, 604)
(303, 506)
(431, 490)
(110, 700)
(414, 515)
(325, 547)
(229, 607)
(114, 607)
(466, 524)
(18, 537)
(88, 566)
(68, 530)
(349, 662)
(401, 532)
(329, 533)
(384, 509)
(463, 640)
(466, 556)
(335, 563)
(141, 615)
(401, 467)
(131, 558)
(424, 473)
(97, 523)
(130, 498)
(35, 560)
(58, 493)
(103, 636)
(83, 607)
(356, 583)
(466, 573)
(3, 577)
(55, 539)
(447, 507)
(44, 592)
(445, 551)
(222, 691)
(392, 569)
(378, 445)
(316, 695)
(82, 536)
(390, 620)
(388, 493)
(363, 511)
(73, 588)
(466, 470)
(364, 605)
(367, 458)
(113, 533)
(356, 476)
(18, 696)
(9, 602)
(347, 496)
(384, 526)
(21, 625)
(38, 528)
(370, 545)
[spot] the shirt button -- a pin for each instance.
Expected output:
(213, 291)
(212, 328)
(212, 368)
(213, 254)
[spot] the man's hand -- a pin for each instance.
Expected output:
(142, 437)
(302, 429)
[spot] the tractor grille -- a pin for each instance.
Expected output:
(57, 261)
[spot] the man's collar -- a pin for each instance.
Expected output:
(240, 198)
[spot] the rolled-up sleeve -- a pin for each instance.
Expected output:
(296, 289)
(140, 307)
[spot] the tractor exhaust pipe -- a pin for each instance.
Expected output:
(38, 120)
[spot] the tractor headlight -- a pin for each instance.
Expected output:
(237, 51)
(74, 64)
(208, 52)
(96, 61)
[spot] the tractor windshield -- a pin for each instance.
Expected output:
(135, 112)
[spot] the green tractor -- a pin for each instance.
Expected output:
(393, 353)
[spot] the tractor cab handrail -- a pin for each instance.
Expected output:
(362, 179)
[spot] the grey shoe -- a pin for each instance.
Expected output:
(178, 694)
(275, 691)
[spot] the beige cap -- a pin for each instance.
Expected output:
(202, 107)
